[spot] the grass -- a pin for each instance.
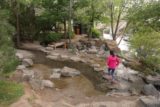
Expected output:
(10, 92)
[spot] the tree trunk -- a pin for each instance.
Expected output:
(112, 20)
(69, 22)
(65, 29)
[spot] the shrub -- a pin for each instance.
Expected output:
(146, 44)
(50, 37)
(72, 35)
(9, 92)
(96, 33)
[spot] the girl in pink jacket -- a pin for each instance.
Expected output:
(112, 62)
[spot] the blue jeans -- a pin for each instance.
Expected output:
(111, 72)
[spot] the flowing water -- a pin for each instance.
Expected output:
(74, 85)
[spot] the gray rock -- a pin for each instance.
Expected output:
(27, 74)
(55, 75)
(35, 83)
(21, 67)
(47, 83)
(155, 80)
(27, 62)
(75, 58)
(149, 101)
(52, 57)
(92, 51)
(19, 56)
(49, 48)
(95, 65)
(66, 71)
(150, 90)
(99, 69)
(56, 70)
(23, 54)
(64, 57)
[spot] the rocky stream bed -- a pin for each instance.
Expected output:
(61, 78)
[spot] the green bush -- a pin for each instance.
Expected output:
(72, 35)
(146, 43)
(50, 37)
(95, 33)
(10, 92)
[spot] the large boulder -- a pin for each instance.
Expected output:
(27, 62)
(22, 54)
(150, 90)
(149, 101)
(71, 72)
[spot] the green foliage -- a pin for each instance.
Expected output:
(150, 16)
(50, 37)
(146, 33)
(8, 60)
(9, 92)
(71, 34)
(96, 33)
(146, 43)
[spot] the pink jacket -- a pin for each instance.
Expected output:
(112, 61)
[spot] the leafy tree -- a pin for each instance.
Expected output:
(117, 10)
(89, 11)
(146, 34)
(8, 60)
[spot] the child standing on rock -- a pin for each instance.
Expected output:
(112, 62)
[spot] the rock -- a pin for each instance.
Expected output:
(66, 71)
(47, 83)
(23, 54)
(56, 70)
(149, 101)
(64, 57)
(55, 54)
(27, 74)
(27, 62)
(99, 69)
(19, 56)
(21, 67)
(155, 80)
(49, 48)
(150, 90)
(92, 51)
(75, 58)
(55, 75)
(95, 65)
(118, 94)
(35, 83)
(52, 57)
(134, 92)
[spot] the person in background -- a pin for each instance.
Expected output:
(112, 61)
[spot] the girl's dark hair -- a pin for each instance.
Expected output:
(112, 53)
